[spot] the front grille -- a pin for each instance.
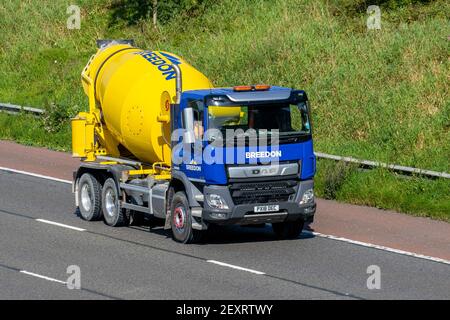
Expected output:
(262, 192)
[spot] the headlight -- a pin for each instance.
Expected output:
(216, 202)
(308, 196)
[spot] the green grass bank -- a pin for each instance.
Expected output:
(376, 94)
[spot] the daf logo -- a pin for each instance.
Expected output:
(265, 172)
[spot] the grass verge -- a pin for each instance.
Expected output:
(376, 94)
(383, 189)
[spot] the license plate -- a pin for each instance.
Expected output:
(268, 208)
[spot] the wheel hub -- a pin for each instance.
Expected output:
(86, 200)
(179, 218)
(110, 203)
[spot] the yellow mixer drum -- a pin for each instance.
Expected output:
(134, 89)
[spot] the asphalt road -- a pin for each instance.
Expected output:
(135, 263)
(372, 226)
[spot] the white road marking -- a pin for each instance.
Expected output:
(42, 277)
(60, 224)
(379, 247)
(234, 267)
(35, 175)
(332, 237)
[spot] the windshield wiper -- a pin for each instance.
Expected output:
(289, 134)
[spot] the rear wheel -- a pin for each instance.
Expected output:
(113, 214)
(288, 230)
(181, 220)
(89, 197)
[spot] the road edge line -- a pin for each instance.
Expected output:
(379, 247)
(318, 234)
(36, 175)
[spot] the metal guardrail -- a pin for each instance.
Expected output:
(376, 164)
(15, 109)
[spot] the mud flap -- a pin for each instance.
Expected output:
(197, 223)
(167, 224)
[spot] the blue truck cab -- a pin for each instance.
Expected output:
(245, 157)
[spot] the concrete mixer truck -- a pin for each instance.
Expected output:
(160, 143)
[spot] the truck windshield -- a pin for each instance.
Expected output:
(285, 120)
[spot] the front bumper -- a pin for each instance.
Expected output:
(243, 214)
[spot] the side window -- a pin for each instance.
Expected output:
(197, 107)
(300, 118)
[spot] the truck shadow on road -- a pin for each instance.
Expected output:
(221, 234)
(230, 234)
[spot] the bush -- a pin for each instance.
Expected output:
(55, 117)
(335, 175)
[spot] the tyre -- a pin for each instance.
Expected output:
(113, 214)
(89, 197)
(288, 230)
(181, 220)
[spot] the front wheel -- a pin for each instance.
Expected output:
(288, 229)
(181, 220)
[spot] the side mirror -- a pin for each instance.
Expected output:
(188, 122)
(303, 107)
